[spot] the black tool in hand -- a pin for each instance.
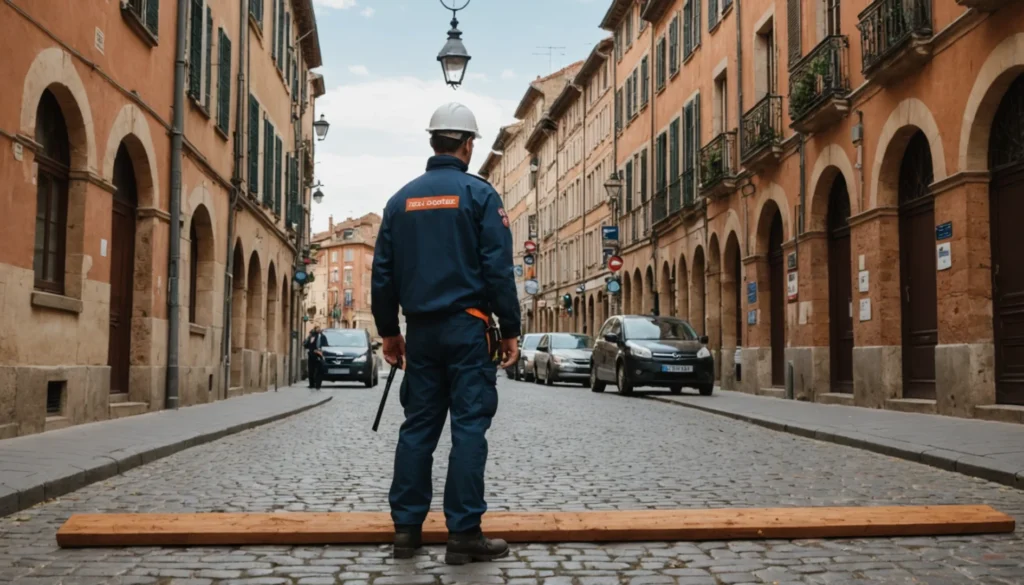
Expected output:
(384, 398)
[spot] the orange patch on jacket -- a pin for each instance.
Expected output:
(439, 202)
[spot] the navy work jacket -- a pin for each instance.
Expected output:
(444, 246)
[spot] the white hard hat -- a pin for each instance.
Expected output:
(453, 117)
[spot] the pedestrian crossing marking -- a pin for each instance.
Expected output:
(315, 528)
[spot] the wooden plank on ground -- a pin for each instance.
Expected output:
(216, 529)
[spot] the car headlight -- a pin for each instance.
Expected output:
(638, 351)
(704, 353)
(557, 359)
(359, 359)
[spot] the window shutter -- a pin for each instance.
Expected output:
(268, 163)
(643, 176)
(195, 53)
(280, 33)
(696, 23)
(254, 145)
(223, 82)
(629, 96)
(618, 110)
(278, 153)
(793, 14)
(285, 45)
(712, 14)
(273, 43)
(636, 103)
(673, 48)
(687, 28)
(659, 63)
(629, 186)
(153, 17)
(696, 137)
(287, 187)
(673, 151)
(209, 54)
(645, 81)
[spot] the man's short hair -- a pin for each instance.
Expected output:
(448, 142)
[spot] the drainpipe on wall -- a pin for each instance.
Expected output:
(739, 117)
(236, 192)
(650, 176)
(174, 259)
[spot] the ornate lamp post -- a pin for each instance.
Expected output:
(614, 188)
(453, 56)
(321, 126)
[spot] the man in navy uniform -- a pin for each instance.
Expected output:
(444, 254)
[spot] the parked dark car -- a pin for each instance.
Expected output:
(643, 350)
(523, 369)
(563, 357)
(350, 356)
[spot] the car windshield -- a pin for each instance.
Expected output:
(657, 328)
(346, 339)
(571, 342)
(530, 342)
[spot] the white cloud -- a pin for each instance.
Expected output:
(508, 74)
(368, 12)
(358, 70)
(477, 76)
(339, 4)
(378, 141)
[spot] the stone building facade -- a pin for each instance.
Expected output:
(86, 272)
(823, 187)
(340, 295)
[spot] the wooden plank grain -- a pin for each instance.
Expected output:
(221, 529)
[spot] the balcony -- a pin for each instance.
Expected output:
(762, 134)
(718, 166)
(659, 211)
(895, 38)
(819, 86)
(985, 5)
(636, 224)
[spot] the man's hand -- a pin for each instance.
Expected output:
(394, 350)
(509, 352)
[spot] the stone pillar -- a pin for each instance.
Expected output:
(807, 325)
(713, 318)
(878, 349)
(730, 288)
(965, 355)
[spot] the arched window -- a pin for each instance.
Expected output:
(54, 160)
(193, 257)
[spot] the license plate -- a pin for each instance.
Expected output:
(337, 371)
(677, 369)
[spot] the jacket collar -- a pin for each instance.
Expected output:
(441, 161)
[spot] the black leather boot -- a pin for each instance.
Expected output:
(408, 539)
(466, 547)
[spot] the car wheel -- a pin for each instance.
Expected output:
(516, 373)
(595, 384)
(676, 389)
(369, 381)
(623, 381)
(707, 389)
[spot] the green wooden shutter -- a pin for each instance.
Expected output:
(254, 145)
(153, 17)
(273, 42)
(195, 54)
(645, 81)
(278, 153)
(643, 175)
(629, 185)
(209, 54)
(673, 46)
(712, 14)
(284, 47)
(696, 139)
(636, 100)
(223, 82)
(687, 28)
(268, 163)
(696, 23)
(618, 110)
(287, 186)
(793, 15)
(280, 33)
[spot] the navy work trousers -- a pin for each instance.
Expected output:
(448, 368)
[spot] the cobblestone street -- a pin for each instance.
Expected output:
(560, 448)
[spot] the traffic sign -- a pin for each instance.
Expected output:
(613, 286)
(615, 263)
(518, 270)
(530, 246)
(528, 260)
(531, 287)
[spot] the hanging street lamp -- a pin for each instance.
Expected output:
(321, 126)
(453, 56)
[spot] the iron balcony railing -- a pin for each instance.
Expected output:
(660, 203)
(718, 160)
(762, 126)
(821, 75)
(675, 200)
(689, 187)
(886, 25)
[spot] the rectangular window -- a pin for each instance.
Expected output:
(223, 82)
(280, 34)
(629, 97)
(643, 175)
(51, 226)
(645, 81)
(618, 44)
(146, 12)
(629, 186)
(660, 152)
(348, 297)
(195, 52)
(659, 63)
(629, 27)
(636, 101)
(349, 256)
(285, 45)
(254, 145)
(673, 163)
(334, 256)
(673, 47)
(268, 163)
(348, 276)
(688, 28)
(256, 11)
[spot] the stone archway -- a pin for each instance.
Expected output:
(698, 300)
(54, 70)
(713, 306)
(649, 288)
(273, 304)
(238, 318)
(769, 274)
(666, 300)
(202, 267)
(682, 289)
(639, 293)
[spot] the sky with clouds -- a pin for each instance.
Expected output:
(383, 83)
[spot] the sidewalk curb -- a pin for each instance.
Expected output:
(117, 462)
(970, 465)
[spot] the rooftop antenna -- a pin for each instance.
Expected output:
(550, 51)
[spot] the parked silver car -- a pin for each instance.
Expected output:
(523, 370)
(563, 357)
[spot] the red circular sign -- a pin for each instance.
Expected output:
(615, 264)
(530, 246)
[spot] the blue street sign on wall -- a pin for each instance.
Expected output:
(944, 231)
(610, 232)
(751, 292)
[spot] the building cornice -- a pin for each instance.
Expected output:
(532, 93)
(305, 22)
(615, 13)
(594, 61)
(655, 10)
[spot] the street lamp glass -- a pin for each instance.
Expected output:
(318, 196)
(614, 187)
(453, 57)
(321, 126)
